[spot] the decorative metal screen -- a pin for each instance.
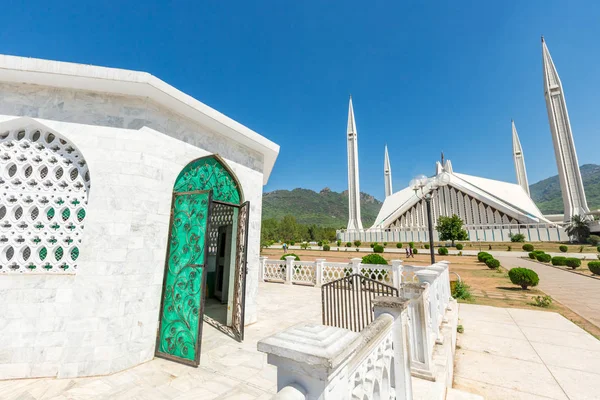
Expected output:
(347, 302)
(220, 215)
(44, 184)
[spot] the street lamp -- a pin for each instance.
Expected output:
(424, 188)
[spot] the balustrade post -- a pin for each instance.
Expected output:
(397, 308)
(428, 276)
(262, 262)
(446, 281)
(289, 269)
(319, 271)
(356, 265)
(397, 273)
(441, 290)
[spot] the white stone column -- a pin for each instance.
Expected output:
(440, 288)
(289, 269)
(397, 273)
(429, 277)
(356, 265)
(262, 262)
(397, 308)
(319, 271)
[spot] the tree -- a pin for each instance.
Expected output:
(578, 227)
(450, 228)
(288, 228)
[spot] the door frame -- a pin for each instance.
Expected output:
(157, 353)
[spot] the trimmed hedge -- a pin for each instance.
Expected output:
(563, 248)
(482, 255)
(378, 248)
(528, 247)
(532, 255)
(559, 261)
(459, 246)
(543, 257)
(598, 248)
(374, 259)
(399, 245)
(442, 251)
(326, 247)
(594, 240)
(415, 251)
(426, 245)
(594, 266)
(523, 277)
(289, 254)
(573, 262)
(492, 263)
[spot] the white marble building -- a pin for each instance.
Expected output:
(88, 161)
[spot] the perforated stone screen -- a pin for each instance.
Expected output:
(44, 185)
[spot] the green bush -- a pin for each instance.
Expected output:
(398, 245)
(543, 257)
(289, 254)
(415, 251)
(573, 262)
(373, 244)
(357, 243)
(528, 247)
(492, 263)
(461, 291)
(563, 248)
(532, 255)
(304, 245)
(482, 255)
(559, 261)
(411, 244)
(326, 247)
(542, 301)
(426, 245)
(374, 259)
(292, 243)
(320, 243)
(594, 240)
(442, 251)
(523, 277)
(598, 248)
(459, 246)
(385, 244)
(348, 244)
(509, 248)
(339, 243)
(594, 266)
(378, 248)
(517, 237)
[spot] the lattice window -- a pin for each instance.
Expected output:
(220, 215)
(44, 185)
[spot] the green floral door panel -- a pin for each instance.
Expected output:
(182, 304)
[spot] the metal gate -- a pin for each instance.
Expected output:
(347, 302)
(241, 270)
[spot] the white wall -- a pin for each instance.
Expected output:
(104, 319)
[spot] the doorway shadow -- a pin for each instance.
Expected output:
(215, 314)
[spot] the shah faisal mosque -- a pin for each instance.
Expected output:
(491, 210)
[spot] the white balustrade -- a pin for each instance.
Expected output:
(430, 277)
(322, 362)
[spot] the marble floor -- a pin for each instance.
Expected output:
(228, 369)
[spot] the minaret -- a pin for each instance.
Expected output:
(519, 160)
(387, 173)
(354, 221)
(562, 136)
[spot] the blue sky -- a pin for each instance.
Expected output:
(424, 76)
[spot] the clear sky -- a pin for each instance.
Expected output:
(425, 76)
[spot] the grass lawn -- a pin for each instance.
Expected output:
(490, 287)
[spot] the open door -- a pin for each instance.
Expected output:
(241, 269)
(184, 284)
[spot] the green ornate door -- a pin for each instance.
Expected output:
(184, 284)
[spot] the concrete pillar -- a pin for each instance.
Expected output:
(289, 269)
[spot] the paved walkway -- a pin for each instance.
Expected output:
(508, 353)
(580, 293)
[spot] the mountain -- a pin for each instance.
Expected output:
(548, 197)
(326, 208)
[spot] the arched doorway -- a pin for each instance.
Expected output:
(206, 259)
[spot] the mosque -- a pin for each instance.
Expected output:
(491, 210)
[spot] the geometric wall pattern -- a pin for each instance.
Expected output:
(44, 185)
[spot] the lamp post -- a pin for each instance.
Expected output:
(423, 188)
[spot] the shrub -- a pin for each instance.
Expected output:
(460, 253)
(411, 244)
(482, 255)
(598, 248)
(532, 255)
(460, 328)
(459, 246)
(559, 261)
(374, 259)
(594, 240)
(426, 245)
(528, 247)
(289, 254)
(304, 245)
(292, 243)
(442, 251)
(385, 244)
(357, 243)
(492, 263)
(339, 243)
(523, 277)
(398, 245)
(573, 262)
(517, 237)
(461, 291)
(509, 248)
(415, 251)
(489, 247)
(563, 248)
(320, 243)
(543, 257)
(348, 244)
(378, 248)
(594, 266)
(326, 247)
(542, 301)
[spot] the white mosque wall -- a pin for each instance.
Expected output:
(484, 233)
(103, 317)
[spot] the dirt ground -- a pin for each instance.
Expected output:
(489, 287)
